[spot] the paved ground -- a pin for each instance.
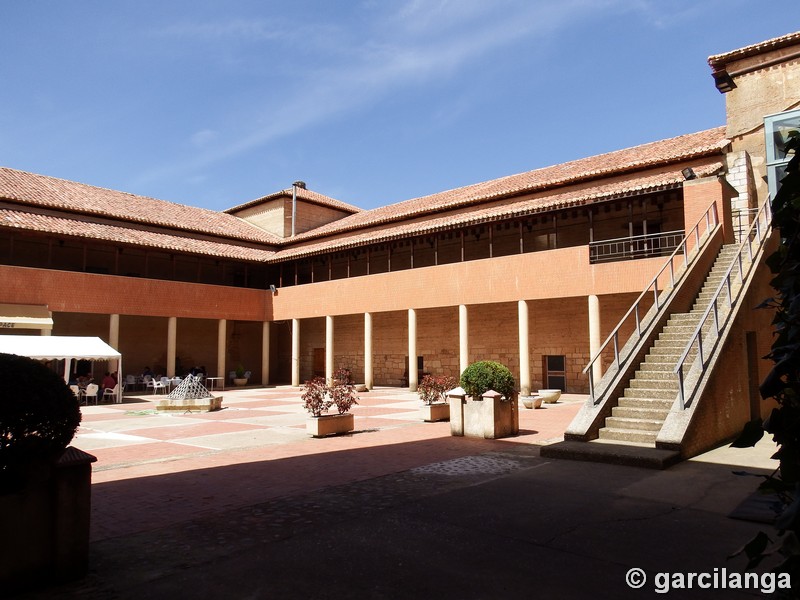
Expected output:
(241, 503)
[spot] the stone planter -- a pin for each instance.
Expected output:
(486, 417)
(325, 425)
(549, 396)
(47, 523)
(240, 381)
(438, 411)
(531, 401)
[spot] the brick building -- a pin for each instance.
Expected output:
(534, 270)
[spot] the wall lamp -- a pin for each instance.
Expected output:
(273, 289)
(688, 173)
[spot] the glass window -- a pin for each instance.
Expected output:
(778, 129)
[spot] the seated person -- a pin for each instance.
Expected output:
(108, 382)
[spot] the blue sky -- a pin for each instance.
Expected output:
(215, 103)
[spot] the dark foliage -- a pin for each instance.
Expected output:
(783, 381)
(39, 415)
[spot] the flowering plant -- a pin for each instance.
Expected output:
(318, 396)
(315, 398)
(433, 388)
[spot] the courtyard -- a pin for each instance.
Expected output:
(241, 503)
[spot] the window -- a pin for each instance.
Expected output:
(778, 129)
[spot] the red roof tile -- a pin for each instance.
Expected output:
(720, 60)
(670, 151)
(302, 194)
(568, 197)
(116, 234)
(49, 192)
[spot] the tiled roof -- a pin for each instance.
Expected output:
(302, 194)
(63, 225)
(720, 60)
(670, 151)
(59, 194)
(571, 197)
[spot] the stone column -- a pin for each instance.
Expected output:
(113, 341)
(222, 350)
(172, 345)
(463, 338)
(295, 352)
(594, 337)
(524, 350)
(368, 369)
(329, 349)
(265, 331)
(412, 350)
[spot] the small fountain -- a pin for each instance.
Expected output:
(191, 395)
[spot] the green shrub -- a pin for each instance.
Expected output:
(39, 415)
(485, 375)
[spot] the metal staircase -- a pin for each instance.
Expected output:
(646, 402)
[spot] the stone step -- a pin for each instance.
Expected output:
(602, 451)
(676, 335)
(639, 412)
(669, 383)
(660, 398)
(634, 424)
(650, 403)
(666, 366)
(667, 345)
(628, 435)
(684, 319)
(647, 372)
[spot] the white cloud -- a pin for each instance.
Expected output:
(411, 45)
(203, 137)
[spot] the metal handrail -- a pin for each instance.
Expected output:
(710, 219)
(738, 268)
(634, 246)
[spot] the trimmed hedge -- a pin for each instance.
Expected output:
(485, 375)
(39, 416)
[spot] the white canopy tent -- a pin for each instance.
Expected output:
(64, 348)
(25, 316)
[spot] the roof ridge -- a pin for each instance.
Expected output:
(528, 181)
(302, 193)
(60, 194)
(772, 44)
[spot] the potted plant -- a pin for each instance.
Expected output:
(432, 391)
(318, 397)
(241, 377)
(485, 405)
(45, 487)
